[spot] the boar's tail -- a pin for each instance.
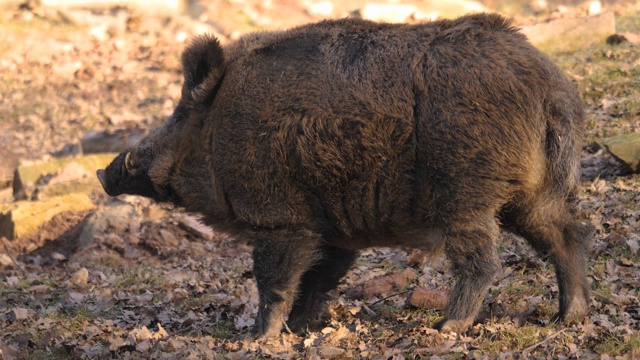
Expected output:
(565, 130)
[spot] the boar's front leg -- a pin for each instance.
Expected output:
(471, 247)
(280, 258)
(319, 279)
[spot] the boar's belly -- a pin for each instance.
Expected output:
(429, 239)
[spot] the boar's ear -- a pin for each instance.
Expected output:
(203, 63)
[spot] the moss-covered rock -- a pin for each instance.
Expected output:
(626, 148)
(24, 217)
(27, 175)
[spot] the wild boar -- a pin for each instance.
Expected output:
(317, 141)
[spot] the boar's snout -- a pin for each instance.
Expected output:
(102, 176)
(125, 175)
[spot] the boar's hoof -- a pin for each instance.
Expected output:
(575, 313)
(453, 326)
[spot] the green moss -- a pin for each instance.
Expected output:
(613, 344)
(516, 338)
(139, 278)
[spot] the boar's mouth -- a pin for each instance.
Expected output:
(120, 177)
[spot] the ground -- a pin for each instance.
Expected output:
(153, 285)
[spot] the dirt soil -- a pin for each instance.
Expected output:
(153, 284)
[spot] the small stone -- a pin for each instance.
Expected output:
(12, 280)
(330, 352)
(377, 287)
(170, 240)
(80, 277)
(426, 298)
(19, 313)
(5, 260)
(57, 256)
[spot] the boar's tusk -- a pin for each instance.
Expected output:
(127, 163)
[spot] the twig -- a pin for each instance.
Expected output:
(388, 297)
(286, 327)
(6, 248)
(528, 350)
(169, 337)
(368, 310)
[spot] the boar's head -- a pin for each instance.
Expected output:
(150, 167)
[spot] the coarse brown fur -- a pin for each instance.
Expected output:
(331, 137)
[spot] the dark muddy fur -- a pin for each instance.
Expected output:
(330, 137)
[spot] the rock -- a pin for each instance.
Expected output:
(25, 217)
(625, 148)
(80, 277)
(83, 186)
(20, 313)
(426, 298)
(26, 176)
(70, 172)
(170, 240)
(566, 35)
(323, 8)
(110, 141)
(114, 219)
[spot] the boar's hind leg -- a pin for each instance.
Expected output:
(280, 258)
(547, 224)
(320, 278)
(471, 247)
